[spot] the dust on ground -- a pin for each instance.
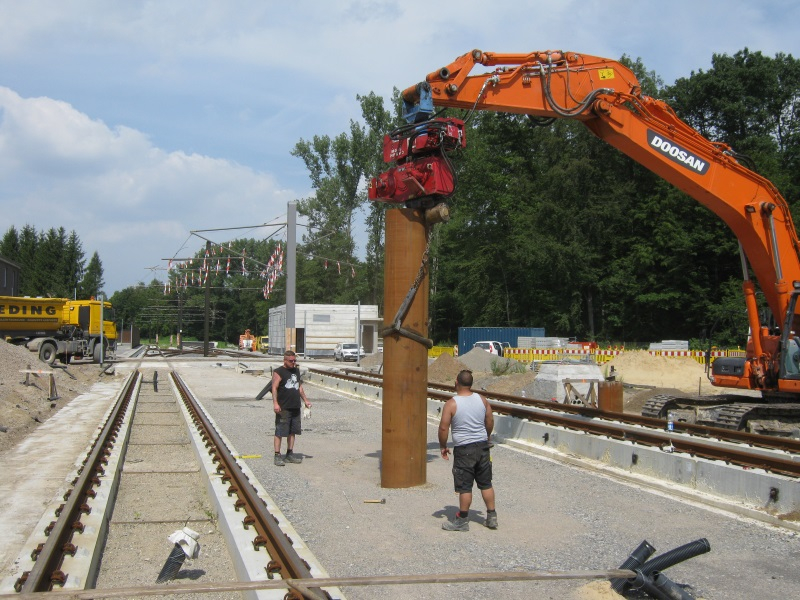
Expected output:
(24, 407)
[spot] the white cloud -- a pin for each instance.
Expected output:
(135, 122)
(127, 199)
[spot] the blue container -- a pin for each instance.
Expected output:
(467, 336)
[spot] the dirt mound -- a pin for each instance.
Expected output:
(372, 362)
(444, 369)
(481, 361)
(512, 384)
(23, 407)
(642, 368)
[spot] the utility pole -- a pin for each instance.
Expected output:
(207, 297)
(180, 318)
(291, 275)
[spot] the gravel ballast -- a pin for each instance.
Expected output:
(552, 517)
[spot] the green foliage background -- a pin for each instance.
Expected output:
(550, 226)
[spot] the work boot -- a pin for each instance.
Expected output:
(457, 524)
(491, 520)
(293, 458)
(279, 461)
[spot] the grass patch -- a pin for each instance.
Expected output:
(506, 367)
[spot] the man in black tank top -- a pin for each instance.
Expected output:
(287, 393)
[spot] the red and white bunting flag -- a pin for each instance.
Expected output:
(339, 267)
(228, 267)
(326, 264)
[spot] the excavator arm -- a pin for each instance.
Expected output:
(606, 96)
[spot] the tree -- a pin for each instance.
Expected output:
(73, 264)
(92, 282)
(338, 169)
(28, 241)
(9, 246)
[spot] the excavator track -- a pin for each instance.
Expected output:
(729, 413)
(734, 416)
(658, 406)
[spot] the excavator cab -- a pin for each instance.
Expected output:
(790, 342)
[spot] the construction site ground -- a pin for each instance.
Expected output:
(551, 516)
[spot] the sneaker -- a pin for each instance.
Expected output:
(457, 524)
(293, 458)
(279, 461)
(491, 521)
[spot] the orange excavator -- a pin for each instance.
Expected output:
(606, 97)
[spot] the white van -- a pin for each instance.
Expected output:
(490, 347)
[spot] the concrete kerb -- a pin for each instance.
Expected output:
(83, 565)
(744, 492)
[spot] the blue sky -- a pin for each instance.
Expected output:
(134, 123)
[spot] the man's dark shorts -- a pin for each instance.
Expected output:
(472, 463)
(287, 422)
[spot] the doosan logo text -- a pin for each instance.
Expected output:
(676, 153)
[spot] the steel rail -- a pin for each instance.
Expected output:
(618, 426)
(49, 556)
(707, 431)
(284, 559)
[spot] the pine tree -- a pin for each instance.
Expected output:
(92, 282)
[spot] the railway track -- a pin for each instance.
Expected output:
(749, 451)
(178, 472)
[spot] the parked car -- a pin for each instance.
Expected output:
(490, 347)
(347, 351)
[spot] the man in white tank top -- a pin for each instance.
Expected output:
(470, 417)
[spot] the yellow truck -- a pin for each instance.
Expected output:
(59, 328)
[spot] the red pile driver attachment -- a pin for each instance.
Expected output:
(423, 166)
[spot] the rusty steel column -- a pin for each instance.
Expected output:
(609, 396)
(405, 361)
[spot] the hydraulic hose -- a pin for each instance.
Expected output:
(634, 561)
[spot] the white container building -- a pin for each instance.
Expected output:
(319, 327)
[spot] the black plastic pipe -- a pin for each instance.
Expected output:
(671, 589)
(644, 582)
(634, 561)
(673, 557)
